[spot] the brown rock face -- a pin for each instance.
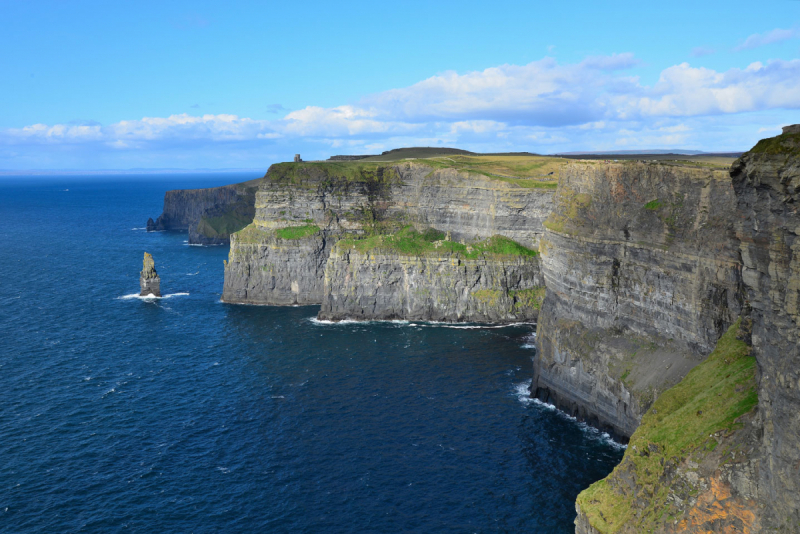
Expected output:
(149, 282)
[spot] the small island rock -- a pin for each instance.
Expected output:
(149, 282)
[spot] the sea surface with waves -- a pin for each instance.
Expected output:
(188, 415)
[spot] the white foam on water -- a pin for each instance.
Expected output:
(426, 324)
(192, 274)
(145, 228)
(523, 393)
(150, 296)
(325, 322)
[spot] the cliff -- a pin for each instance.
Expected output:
(209, 215)
(149, 281)
(406, 276)
(276, 266)
(720, 452)
(641, 266)
(767, 185)
(356, 200)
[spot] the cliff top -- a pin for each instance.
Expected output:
(528, 171)
(787, 143)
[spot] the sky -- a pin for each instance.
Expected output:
(223, 85)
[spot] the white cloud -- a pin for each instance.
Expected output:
(594, 104)
(761, 39)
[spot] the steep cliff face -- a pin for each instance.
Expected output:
(441, 285)
(767, 184)
(642, 270)
(267, 266)
(345, 200)
(209, 215)
(720, 452)
(468, 205)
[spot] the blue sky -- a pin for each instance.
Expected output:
(117, 85)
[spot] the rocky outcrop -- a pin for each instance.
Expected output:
(448, 287)
(149, 281)
(345, 200)
(767, 184)
(209, 215)
(642, 271)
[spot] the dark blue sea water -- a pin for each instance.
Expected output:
(188, 415)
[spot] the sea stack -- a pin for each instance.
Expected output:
(149, 282)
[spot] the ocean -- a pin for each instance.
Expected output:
(185, 414)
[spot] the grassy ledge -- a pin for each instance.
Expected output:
(297, 232)
(679, 424)
(410, 242)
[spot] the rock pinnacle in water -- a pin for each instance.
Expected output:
(149, 282)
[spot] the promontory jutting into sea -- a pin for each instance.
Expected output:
(658, 285)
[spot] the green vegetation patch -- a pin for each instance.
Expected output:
(409, 241)
(784, 144)
(709, 399)
(653, 205)
(297, 232)
(528, 298)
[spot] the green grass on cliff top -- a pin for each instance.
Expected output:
(432, 242)
(709, 399)
(533, 172)
(784, 144)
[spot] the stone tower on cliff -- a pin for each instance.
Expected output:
(149, 282)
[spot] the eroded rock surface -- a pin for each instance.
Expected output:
(266, 268)
(383, 284)
(643, 276)
(767, 184)
(149, 281)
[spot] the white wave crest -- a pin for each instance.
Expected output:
(150, 296)
(426, 324)
(325, 322)
(523, 393)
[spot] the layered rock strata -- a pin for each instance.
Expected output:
(263, 268)
(728, 461)
(643, 276)
(767, 185)
(385, 284)
(208, 215)
(343, 200)
(149, 281)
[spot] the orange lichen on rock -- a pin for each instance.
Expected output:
(718, 511)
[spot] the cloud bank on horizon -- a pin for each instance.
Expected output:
(544, 106)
